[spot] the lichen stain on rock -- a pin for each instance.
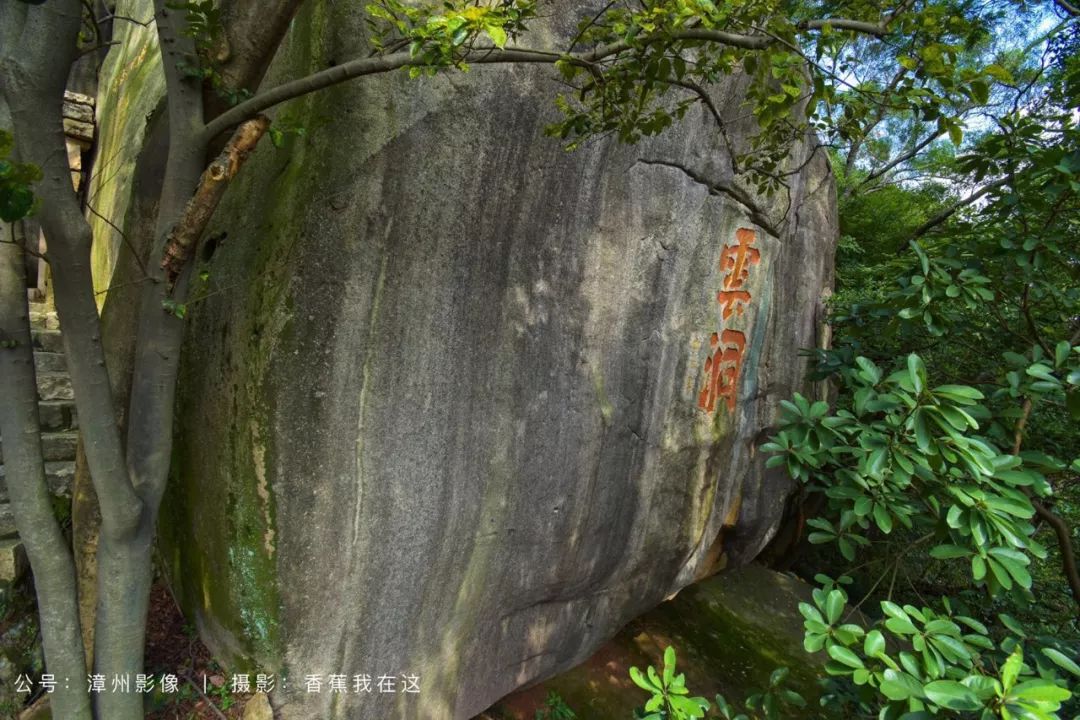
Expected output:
(258, 451)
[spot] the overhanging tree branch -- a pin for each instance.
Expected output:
(385, 63)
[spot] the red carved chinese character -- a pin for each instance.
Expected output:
(736, 260)
(722, 370)
(732, 301)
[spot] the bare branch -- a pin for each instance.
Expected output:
(875, 174)
(858, 26)
(1061, 530)
(951, 210)
(1068, 7)
(182, 239)
(125, 18)
(123, 237)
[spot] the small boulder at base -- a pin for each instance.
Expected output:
(258, 708)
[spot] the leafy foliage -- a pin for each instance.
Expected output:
(916, 662)
(16, 196)
(440, 36)
(954, 424)
(555, 708)
(203, 24)
(907, 454)
(636, 68)
(669, 697)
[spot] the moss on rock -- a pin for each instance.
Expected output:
(730, 632)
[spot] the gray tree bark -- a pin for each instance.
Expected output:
(46, 546)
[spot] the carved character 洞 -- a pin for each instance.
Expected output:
(722, 370)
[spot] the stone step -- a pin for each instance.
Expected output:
(59, 476)
(55, 386)
(55, 446)
(44, 319)
(50, 362)
(48, 340)
(7, 521)
(57, 415)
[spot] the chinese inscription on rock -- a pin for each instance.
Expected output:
(726, 347)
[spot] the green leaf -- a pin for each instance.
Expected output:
(842, 655)
(948, 552)
(814, 643)
(1001, 574)
(642, 682)
(978, 568)
(901, 626)
(874, 643)
(1063, 662)
(958, 392)
(1061, 353)
(882, 518)
(497, 35)
(980, 91)
(1041, 691)
(834, 606)
(1011, 669)
(15, 203)
(897, 685)
(916, 372)
(952, 695)
(956, 134)
(893, 610)
(694, 707)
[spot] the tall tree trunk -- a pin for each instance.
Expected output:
(46, 546)
(253, 31)
(34, 71)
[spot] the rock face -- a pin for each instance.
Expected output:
(458, 404)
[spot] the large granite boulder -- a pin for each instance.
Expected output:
(457, 404)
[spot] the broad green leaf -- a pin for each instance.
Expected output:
(842, 655)
(497, 35)
(1011, 669)
(874, 643)
(1063, 662)
(897, 685)
(834, 606)
(642, 682)
(948, 552)
(952, 695)
(1041, 691)
(1061, 353)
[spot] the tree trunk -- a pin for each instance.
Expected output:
(46, 546)
(253, 30)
